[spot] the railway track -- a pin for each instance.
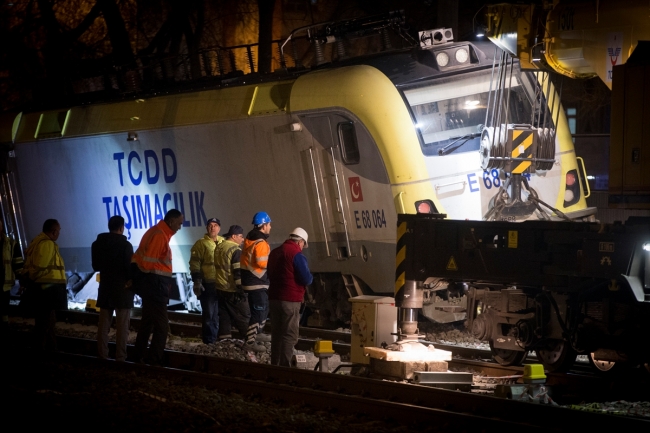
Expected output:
(189, 325)
(342, 394)
(580, 383)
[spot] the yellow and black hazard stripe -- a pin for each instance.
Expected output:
(400, 258)
(522, 147)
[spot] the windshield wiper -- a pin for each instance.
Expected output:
(450, 147)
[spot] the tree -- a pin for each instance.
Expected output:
(265, 48)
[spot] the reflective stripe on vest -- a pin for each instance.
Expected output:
(247, 263)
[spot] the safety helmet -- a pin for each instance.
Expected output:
(261, 218)
(302, 234)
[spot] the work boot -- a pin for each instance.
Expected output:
(263, 338)
(254, 347)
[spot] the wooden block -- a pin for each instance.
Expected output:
(441, 366)
(404, 370)
(391, 355)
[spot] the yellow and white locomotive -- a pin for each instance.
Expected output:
(338, 149)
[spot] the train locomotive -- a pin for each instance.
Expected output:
(556, 288)
(559, 288)
(339, 149)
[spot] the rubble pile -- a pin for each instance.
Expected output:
(450, 333)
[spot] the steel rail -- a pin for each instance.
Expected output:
(319, 399)
(544, 416)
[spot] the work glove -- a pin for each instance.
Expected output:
(198, 288)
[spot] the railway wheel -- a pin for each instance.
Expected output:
(603, 366)
(557, 355)
(508, 357)
(613, 367)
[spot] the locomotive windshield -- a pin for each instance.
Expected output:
(450, 113)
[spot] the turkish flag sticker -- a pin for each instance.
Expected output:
(355, 189)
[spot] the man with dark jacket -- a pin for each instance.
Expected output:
(289, 274)
(111, 255)
(152, 276)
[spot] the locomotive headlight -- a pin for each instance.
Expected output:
(462, 55)
(568, 195)
(442, 58)
(572, 190)
(425, 206)
(570, 179)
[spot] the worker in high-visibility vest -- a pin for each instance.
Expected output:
(47, 283)
(12, 260)
(153, 281)
(203, 276)
(233, 302)
(255, 281)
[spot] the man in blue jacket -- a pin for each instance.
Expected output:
(289, 274)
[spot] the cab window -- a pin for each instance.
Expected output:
(349, 145)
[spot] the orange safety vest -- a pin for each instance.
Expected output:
(254, 260)
(154, 255)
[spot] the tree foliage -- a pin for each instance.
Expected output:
(56, 50)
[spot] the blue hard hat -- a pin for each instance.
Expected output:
(261, 218)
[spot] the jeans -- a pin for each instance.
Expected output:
(284, 331)
(122, 321)
(209, 313)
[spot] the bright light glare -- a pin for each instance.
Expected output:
(646, 246)
(590, 177)
(473, 103)
(480, 34)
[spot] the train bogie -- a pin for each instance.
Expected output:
(556, 288)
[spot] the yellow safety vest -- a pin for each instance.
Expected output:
(44, 263)
(202, 258)
(10, 261)
(224, 266)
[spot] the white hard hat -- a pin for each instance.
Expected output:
(301, 234)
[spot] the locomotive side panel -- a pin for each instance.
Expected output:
(229, 169)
